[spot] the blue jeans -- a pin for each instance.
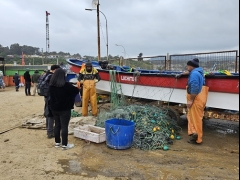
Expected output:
(62, 119)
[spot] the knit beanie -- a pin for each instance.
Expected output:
(194, 62)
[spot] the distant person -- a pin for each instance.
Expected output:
(44, 72)
(16, 80)
(62, 95)
(197, 94)
(35, 78)
(27, 79)
(88, 77)
(47, 111)
(62, 66)
(2, 84)
(42, 75)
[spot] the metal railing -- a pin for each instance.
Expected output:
(209, 61)
(152, 62)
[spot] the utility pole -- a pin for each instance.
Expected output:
(42, 57)
(106, 28)
(47, 32)
(98, 29)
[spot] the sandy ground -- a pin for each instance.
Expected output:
(28, 154)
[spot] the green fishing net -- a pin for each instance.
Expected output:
(154, 128)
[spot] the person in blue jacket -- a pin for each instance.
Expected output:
(197, 93)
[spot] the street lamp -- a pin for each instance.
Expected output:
(106, 28)
(123, 49)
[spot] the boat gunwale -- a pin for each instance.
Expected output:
(163, 74)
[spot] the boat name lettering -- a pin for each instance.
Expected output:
(127, 78)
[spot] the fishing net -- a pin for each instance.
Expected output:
(154, 128)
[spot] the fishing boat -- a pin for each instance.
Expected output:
(163, 86)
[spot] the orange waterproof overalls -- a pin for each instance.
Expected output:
(89, 92)
(196, 112)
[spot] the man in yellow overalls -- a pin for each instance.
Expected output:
(88, 77)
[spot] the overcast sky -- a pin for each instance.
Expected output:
(151, 27)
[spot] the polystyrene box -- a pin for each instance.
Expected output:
(90, 133)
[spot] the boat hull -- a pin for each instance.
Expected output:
(215, 99)
(223, 89)
(216, 83)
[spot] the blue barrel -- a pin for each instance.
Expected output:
(119, 133)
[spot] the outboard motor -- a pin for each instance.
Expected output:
(103, 64)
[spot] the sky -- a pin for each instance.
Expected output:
(150, 27)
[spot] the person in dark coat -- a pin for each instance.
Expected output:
(35, 78)
(27, 79)
(16, 80)
(62, 95)
(47, 112)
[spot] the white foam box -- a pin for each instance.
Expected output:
(90, 133)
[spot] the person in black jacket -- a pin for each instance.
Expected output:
(47, 111)
(35, 78)
(16, 80)
(62, 95)
(27, 79)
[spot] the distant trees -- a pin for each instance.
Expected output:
(16, 49)
(78, 56)
(63, 53)
(14, 53)
(4, 51)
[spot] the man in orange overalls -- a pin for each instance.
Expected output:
(197, 94)
(88, 77)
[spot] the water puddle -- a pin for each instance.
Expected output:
(223, 127)
(70, 166)
(74, 167)
(226, 131)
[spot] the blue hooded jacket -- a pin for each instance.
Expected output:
(195, 81)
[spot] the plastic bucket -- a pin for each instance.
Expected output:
(119, 133)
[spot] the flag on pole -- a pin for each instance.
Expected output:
(47, 13)
(23, 63)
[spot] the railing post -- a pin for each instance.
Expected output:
(236, 62)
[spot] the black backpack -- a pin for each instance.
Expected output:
(43, 85)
